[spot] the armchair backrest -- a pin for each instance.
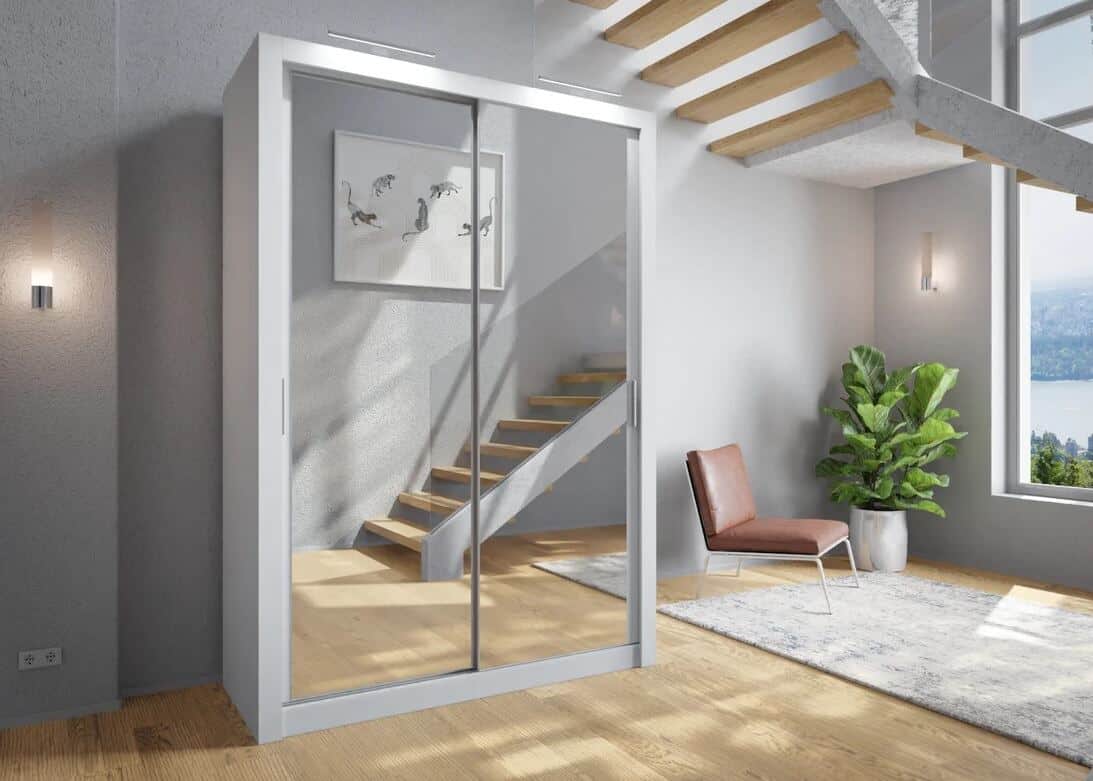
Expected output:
(722, 493)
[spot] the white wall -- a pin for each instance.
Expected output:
(763, 285)
(1042, 539)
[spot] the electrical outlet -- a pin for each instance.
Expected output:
(41, 657)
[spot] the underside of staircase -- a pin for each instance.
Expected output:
(592, 404)
(897, 123)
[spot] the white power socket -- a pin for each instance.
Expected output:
(42, 657)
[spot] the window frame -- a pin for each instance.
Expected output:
(1018, 335)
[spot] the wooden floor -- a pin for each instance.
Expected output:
(363, 617)
(712, 708)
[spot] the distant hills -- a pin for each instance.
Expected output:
(1062, 332)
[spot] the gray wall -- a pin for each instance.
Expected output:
(1038, 538)
(747, 350)
(379, 378)
(58, 391)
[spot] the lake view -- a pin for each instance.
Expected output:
(1065, 408)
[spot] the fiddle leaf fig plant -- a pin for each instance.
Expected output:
(893, 426)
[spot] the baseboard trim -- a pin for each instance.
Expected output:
(158, 688)
(8, 722)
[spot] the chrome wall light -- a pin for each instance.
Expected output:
(926, 285)
(41, 248)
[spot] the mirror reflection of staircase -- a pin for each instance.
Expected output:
(550, 414)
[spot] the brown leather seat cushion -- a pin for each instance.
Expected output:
(721, 488)
(780, 535)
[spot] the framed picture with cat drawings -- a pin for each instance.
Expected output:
(402, 213)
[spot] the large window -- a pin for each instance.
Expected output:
(1051, 79)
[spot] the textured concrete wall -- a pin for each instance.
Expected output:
(379, 378)
(58, 391)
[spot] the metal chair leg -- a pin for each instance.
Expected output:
(853, 566)
(702, 577)
(739, 562)
(823, 582)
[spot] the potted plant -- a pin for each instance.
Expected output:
(894, 427)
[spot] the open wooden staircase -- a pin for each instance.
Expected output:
(897, 91)
(441, 506)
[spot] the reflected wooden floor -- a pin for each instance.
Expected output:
(363, 617)
(712, 708)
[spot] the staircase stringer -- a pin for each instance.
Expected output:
(1040, 149)
(442, 549)
(883, 53)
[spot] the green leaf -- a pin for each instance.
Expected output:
(841, 415)
(883, 489)
(926, 505)
(891, 398)
(859, 394)
(870, 362)
(898, 378)
(932, 382)
(900, 463)
(850, 493)
(874, 416)
(832, 467)
(946, 413)
(946, 450)
(862, 443)
(923, 480)
(851, 376)
(933, 432)
(842, 450)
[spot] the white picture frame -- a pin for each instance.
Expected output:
(376, 225)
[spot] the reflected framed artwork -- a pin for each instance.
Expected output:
(402, 214)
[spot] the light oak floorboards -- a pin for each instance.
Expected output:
(712, 708)
(363, 617)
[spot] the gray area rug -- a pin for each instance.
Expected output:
(1020, 669)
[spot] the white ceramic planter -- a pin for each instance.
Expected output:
(879, 539)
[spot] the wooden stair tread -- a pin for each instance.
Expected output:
(656, 19)
(814, 63)
(871, 98)
(563, 401)
(532, 424)
(971, 153)
(505, 451)
(936, 135)
(1085, 205)
(578, 378)
(462, 474)
(399, 531)
(423, 500)
(1024, 177)
(768, 22)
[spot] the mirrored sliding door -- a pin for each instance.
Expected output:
(380, 398)
(426, 299)
(554, 400)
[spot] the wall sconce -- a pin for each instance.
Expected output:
(927, 282)
(41, 249)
